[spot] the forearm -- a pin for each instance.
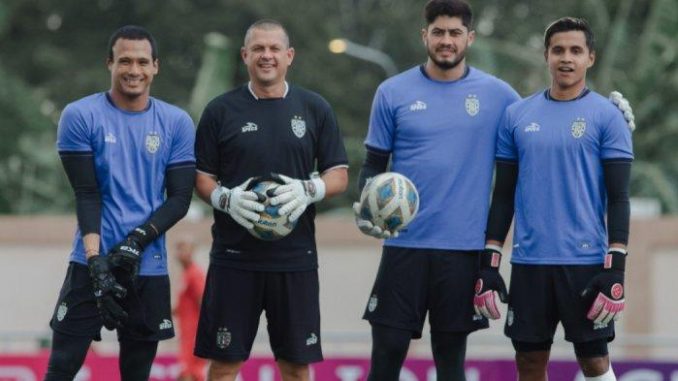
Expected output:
(376, 162)
(502, 207)
(336, 181)
(204, 186)
(91, 243)
(179, 183)
(617, 174)
(79, 168)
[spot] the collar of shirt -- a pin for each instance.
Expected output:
(249, 87)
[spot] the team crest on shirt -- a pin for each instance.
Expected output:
(61, 311)
(152, 142)
(298, 126)
(472, 104)
(578, 128)
(223, 338)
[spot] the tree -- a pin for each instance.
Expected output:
(55, 51)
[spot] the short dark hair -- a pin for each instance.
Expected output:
(567, 24)
(267, 24)
(132, 32)
(451, 8)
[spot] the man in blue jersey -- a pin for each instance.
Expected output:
(563, 163)
(266, 126)
(122, 151)
(437, 123)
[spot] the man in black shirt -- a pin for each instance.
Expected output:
(264, 127)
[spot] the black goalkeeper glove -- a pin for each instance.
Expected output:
(106, 290)
(489, 284)
(126, 255)
(605, 291)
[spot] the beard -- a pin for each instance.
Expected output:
(447, 65)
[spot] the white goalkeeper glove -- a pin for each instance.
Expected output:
(295, 195)
(368, 228)
(242, 205)
(625, 107)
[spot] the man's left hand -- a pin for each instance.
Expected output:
(295, 195)
(126, 255)
(606, 290)
(489, 285)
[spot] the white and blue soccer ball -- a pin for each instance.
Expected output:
(390, 201)
(271, 225)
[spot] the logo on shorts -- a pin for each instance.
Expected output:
(61, 311)
(600, 325)
(472, 104)
(578, 128)
(617, 291)
(223, 338)
(509, 317)
(372, 305)
(313, 339)
(166, 324)
(298, 126)
(152, 142)
(249, 127)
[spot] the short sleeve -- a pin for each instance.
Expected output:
(183, 141)
(616, 138)
(382, 126)
(506, 147)
(331, 151)
(207, 144)
(73, 133)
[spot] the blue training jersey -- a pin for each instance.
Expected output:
(561, 198)
(132, 151)
(441, 135)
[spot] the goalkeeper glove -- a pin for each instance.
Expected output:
(106, 290)
(368, 228)
(605, 291)
(625, 107)
(242, 205)
(489, 284)
(295, 195)
(126, 255)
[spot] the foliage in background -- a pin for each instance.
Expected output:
(54, 52)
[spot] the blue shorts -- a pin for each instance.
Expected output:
(412, 282)
(232, 305)
(147, 303)
(540, 296)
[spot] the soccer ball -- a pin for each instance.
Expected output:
(390, 201)
(271, 225)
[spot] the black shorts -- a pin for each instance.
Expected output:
(149, 308)
(543, 295)
(232, 305)
(411, 282)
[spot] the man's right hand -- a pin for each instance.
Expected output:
(242, 205)
(489, 284)
(368, 228)
(106, 290)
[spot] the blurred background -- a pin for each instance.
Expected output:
(53, 52)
